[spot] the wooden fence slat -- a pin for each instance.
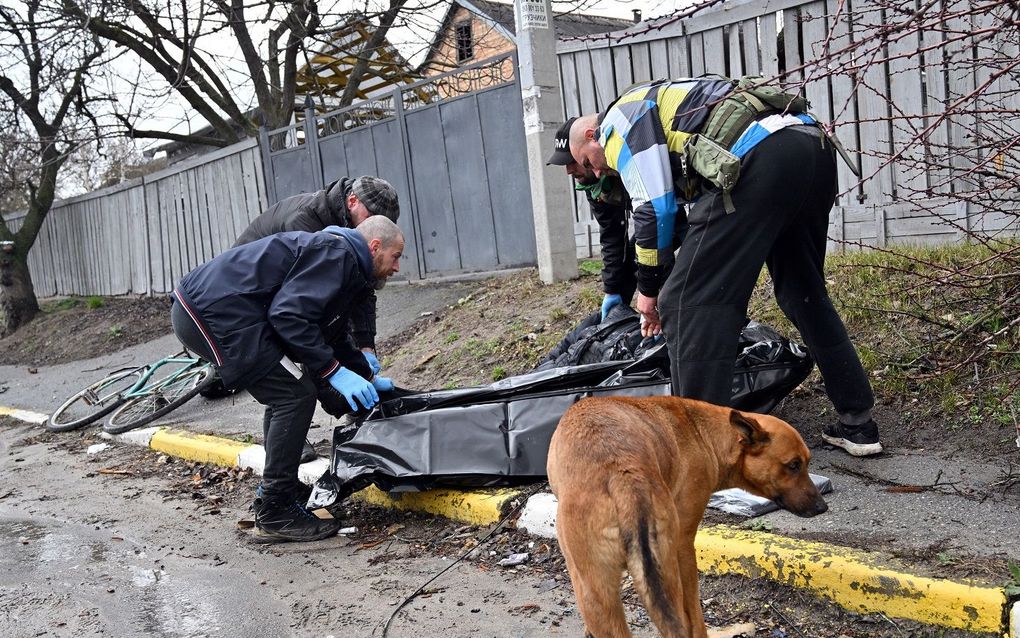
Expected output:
(792, 38)
(844, 106)
(768, 41)
(640, 63)
(907, 102)
(736, 68)
(714, 45)
(749, 37)
(621, 64)
(679, 57)
(586, 90)
(873, 108)
(696, 44)
(605, 82)
(659, 54)
(570, 91)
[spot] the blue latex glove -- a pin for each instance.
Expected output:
(353, 386)
(609, 302)
(373, 362)
(382, 384)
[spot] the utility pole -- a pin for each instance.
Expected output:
(540, 93)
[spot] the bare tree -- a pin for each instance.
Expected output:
(47, 108)
(234, 88)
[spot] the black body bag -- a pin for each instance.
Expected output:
(498, 434)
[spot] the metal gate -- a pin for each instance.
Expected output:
(453, 146)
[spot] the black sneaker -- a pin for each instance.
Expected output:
(308, 452)
(858, 440)
(277, 522)
(301, 492)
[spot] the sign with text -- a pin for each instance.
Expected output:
(532, 14)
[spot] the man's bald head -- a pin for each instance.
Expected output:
(386, 243)
(381, 228)
(584, 145)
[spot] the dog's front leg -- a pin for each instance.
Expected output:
(691, 592)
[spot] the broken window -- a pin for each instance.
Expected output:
(465, 45)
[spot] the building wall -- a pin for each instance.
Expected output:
(488, 41)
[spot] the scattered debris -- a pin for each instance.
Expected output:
(346, 531)
(96, 448)
(115, 471)
(514, 560)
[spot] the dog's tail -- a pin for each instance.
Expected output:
(652, 560)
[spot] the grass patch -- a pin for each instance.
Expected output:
(93, 303)
(931, 325)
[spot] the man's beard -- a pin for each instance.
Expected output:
(377, 266)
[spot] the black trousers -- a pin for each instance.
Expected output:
(289, 396)
(786, 189)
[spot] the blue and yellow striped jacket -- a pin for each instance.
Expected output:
(643, 134)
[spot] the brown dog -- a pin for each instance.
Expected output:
(633, 477)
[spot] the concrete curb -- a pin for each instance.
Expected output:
(864, 582)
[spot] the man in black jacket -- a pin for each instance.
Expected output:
(346, 203)
(610, 206)
(259, 309)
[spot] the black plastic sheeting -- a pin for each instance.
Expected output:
(498, 434)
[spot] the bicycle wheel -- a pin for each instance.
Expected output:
(162, 400)
(94, 402)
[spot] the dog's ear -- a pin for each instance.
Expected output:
(752, 434)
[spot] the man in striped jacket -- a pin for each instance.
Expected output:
(775, 214)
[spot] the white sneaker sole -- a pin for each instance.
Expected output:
(854, 449)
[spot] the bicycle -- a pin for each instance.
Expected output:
(95, 401)
(155, 395)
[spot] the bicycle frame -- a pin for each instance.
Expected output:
(142, 386)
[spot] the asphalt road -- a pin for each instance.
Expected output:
(969, 509)
(135, 553)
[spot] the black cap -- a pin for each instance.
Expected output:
(561, 155)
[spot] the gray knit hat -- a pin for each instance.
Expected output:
(378, 196)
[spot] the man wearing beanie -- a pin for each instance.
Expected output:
(346, 203)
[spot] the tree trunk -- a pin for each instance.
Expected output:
(17, 296)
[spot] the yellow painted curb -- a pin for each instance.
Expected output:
(859, 581)
(482, 507)
(24, 415)
(198, 447)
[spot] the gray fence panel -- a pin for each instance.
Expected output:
(292, 173)
(389, 152)
(433, 202)
(360, 152)
(472, 210)
(334, 158)
(507, 175)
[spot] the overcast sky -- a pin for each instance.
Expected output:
(163, 110)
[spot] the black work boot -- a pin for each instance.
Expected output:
(282, 522)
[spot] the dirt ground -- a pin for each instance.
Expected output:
(81, 328)
(396, 553)
(502, 327)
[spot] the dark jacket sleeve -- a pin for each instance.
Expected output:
(351, 358)
(617, 271)
(363, 321)
(317, 276)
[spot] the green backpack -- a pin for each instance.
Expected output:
(707, 153)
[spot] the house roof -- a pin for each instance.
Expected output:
(501, 15)
(330, 65)
(567, 25)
